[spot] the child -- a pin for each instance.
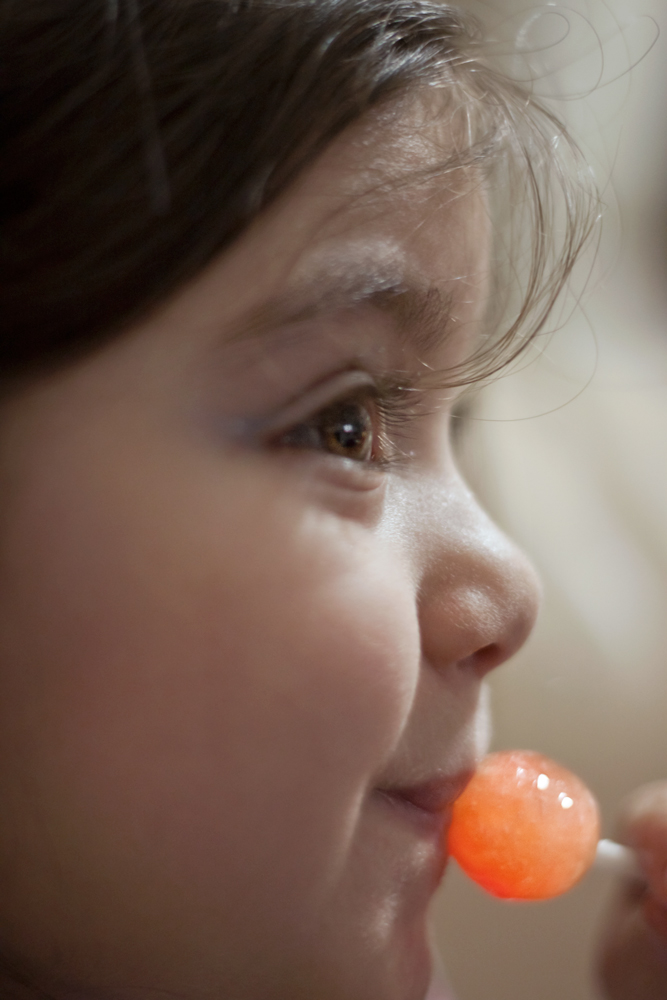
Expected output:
(247, 603)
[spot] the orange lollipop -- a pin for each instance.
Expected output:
(525, 827)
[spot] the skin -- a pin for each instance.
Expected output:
(223, 649)
(633, 953)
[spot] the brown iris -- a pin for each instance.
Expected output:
(346, 429)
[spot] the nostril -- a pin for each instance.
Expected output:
(483, 660)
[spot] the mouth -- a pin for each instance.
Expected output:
(429, 802)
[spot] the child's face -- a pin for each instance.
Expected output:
(240, 671)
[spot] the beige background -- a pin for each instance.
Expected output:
(584, 489)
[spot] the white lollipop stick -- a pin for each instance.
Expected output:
(617, 859)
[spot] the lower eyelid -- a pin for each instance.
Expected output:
(343, 474)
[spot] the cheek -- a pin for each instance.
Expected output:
(204, 690)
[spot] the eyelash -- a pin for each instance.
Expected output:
(398, 405)
(391, 404)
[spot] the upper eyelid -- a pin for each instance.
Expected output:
(309, 403)
(299, 408)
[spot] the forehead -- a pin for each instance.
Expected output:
(385, 209)
(394, 180)
(383, 217)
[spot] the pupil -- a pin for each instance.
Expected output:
(349, 431)
(349, 436)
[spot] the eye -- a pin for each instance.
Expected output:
(346, 428)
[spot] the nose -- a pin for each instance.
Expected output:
(478, 594)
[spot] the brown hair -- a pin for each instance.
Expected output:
(139, 137)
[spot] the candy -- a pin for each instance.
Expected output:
(524, 828)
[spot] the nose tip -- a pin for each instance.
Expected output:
(478, 602)
(512, 621)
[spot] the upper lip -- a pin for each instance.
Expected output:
(434, 795)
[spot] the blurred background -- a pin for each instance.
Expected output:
(569, 455)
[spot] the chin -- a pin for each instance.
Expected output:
(400, 968)
(405, 973)
(373, 940)
(413, 975)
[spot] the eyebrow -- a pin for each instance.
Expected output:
(422, 314)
